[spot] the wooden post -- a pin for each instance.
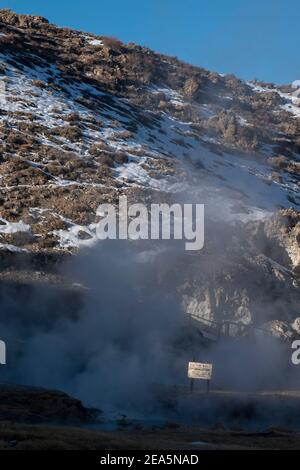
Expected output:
(192, 380)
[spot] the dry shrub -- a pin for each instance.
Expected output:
(123, 135)
(278, 162)
(113, 43)
(99, 148)
(120, 157)
(71, 133)
(72, 117)
(39, 84)
(15, 138)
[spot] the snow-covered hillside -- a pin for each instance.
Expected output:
(80, 125)
(85, 119)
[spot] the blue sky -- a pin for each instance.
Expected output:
(250, 38)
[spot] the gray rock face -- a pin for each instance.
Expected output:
(279, 237)
(243, 284)
(296, 325)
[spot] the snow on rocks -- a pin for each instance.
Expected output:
(92, 41)
(95, 42)
(296, 84)
(76, 236)
(12, 248)
(13, 227)
(292, 100)
(170, 95)
(150, 141)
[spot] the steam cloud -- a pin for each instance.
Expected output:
(129, 339)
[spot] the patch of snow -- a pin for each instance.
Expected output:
(171, 95)
(12, 248)
(292, 100)
(134, 173)
(296, 84)
(93, 42)
(259, 88)
(242, 121)
(13, 227)
(292, 108)
(71, 238)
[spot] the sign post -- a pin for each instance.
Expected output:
(199, 370)
(2, 353)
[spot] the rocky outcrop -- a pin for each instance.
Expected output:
(278, 237)
(22, 21)
(244, 285)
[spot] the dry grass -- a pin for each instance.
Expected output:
(172, 437)
(26, 437)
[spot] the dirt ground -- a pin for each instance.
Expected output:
(222, 420)
(172, 437)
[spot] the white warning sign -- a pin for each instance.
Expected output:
(198, 370)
